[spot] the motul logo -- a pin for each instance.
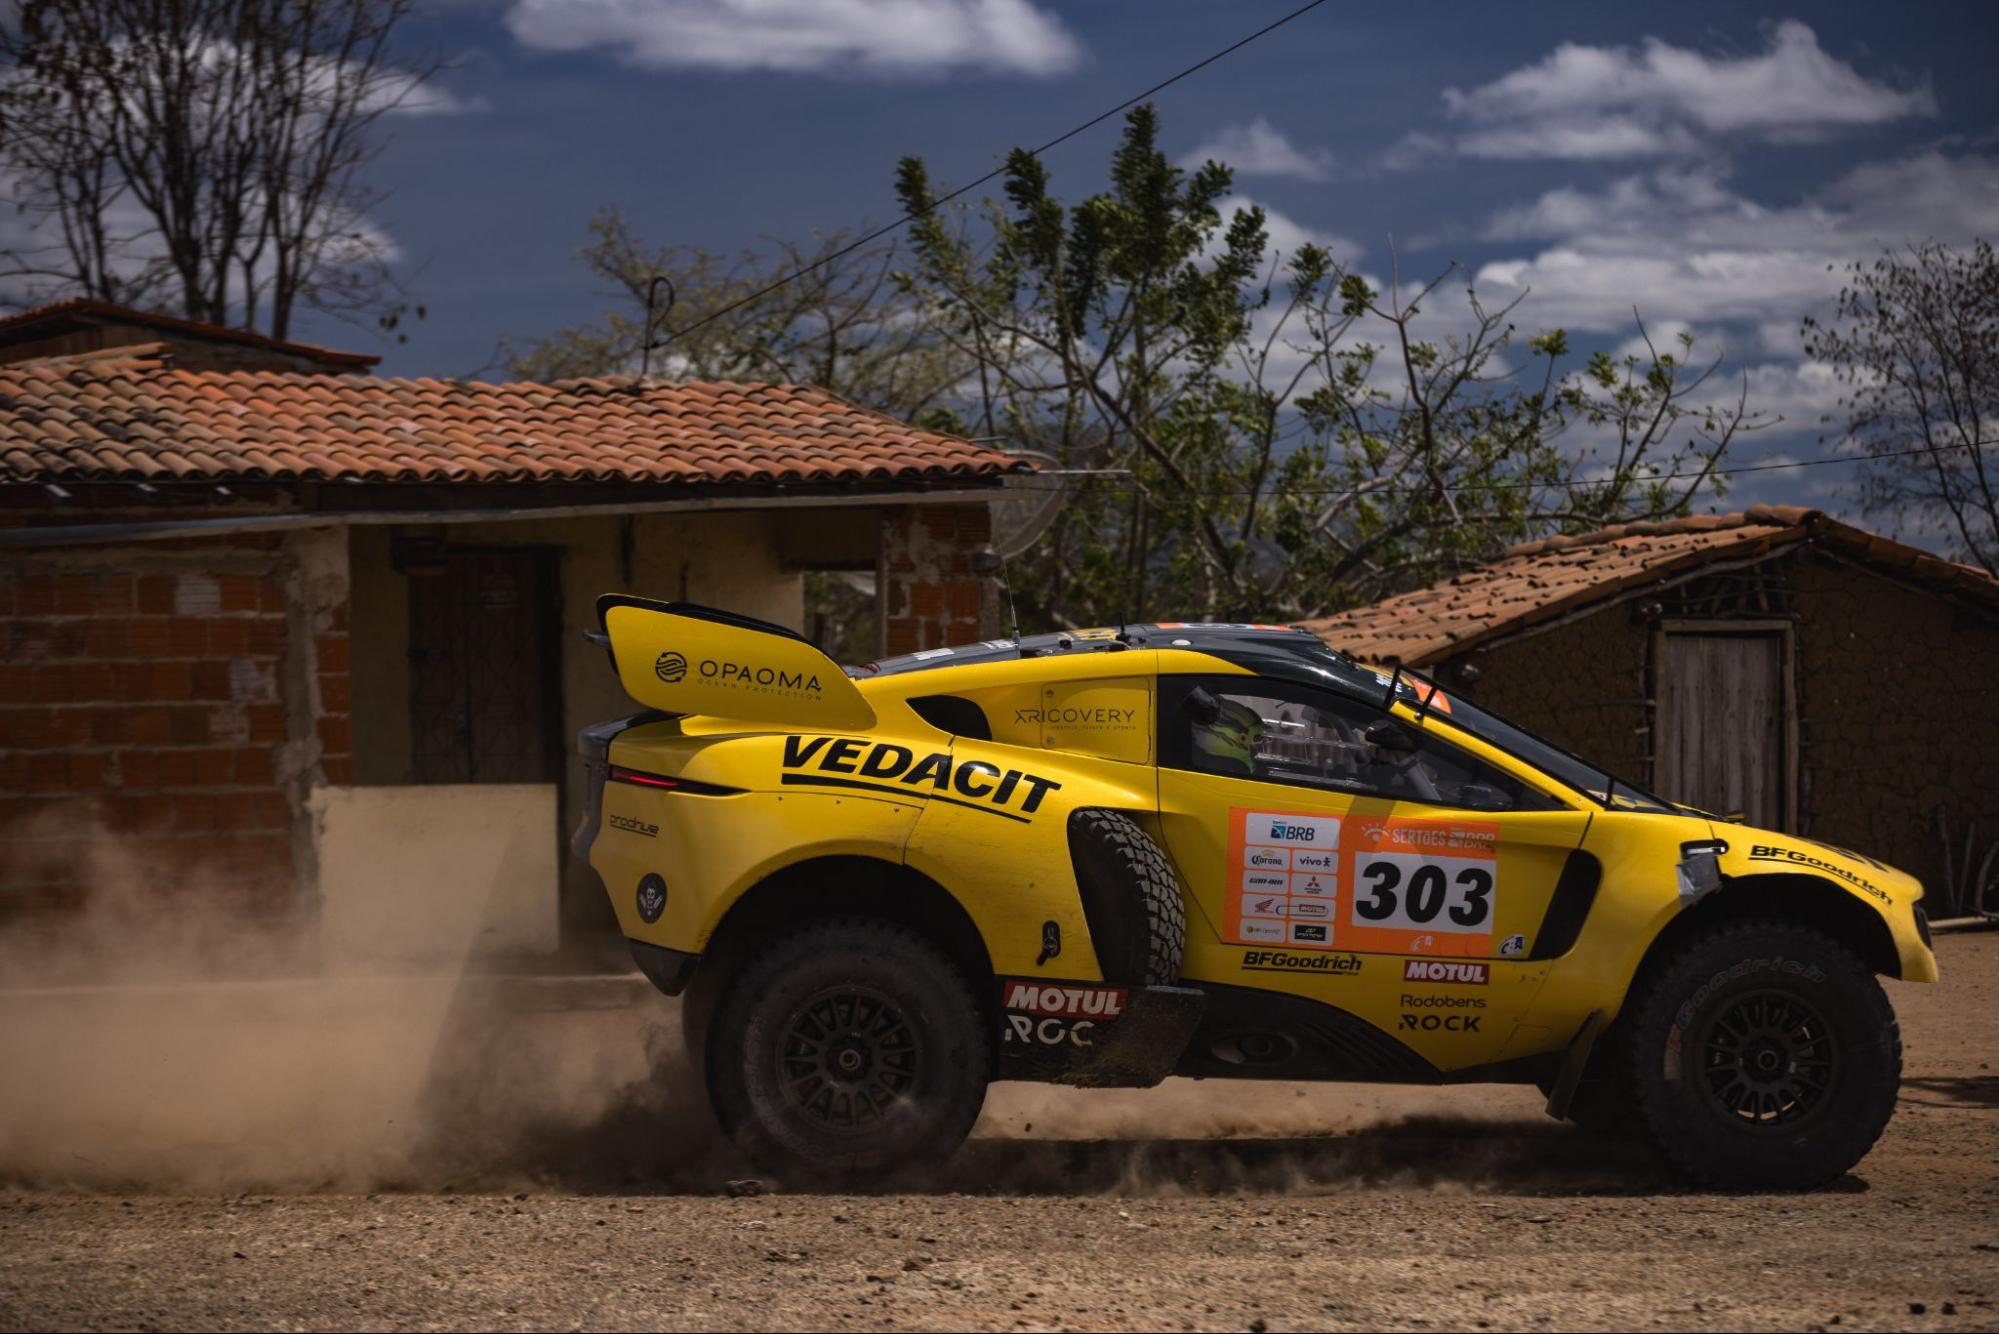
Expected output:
(1065, 1002)
(1444, 970)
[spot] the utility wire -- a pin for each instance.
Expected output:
(908, 218)
(1571, 485)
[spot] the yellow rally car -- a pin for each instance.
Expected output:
(1223, 851)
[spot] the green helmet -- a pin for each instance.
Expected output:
(1231, 736)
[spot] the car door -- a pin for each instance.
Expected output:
(1316, 857)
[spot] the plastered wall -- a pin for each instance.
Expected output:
(731, 560)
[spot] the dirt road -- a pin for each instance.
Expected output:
(1438, 1210)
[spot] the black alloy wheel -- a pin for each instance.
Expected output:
(848, 1053)
(1769, 1059)
(848, 1050)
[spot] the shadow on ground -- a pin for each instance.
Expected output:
(639, 1153)
(1957, 1092)
(1417, 1152)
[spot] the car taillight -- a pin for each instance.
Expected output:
(643, 780)
(689, 786)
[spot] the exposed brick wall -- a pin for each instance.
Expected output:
(149, 721)
(1580, 685)
(1897, 708)
(931, 595)
(1899, 711)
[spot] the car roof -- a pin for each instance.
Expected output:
(1224, 639)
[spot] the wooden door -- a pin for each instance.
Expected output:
(1723, 741)
(484, 702)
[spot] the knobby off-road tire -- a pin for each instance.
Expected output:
(1763, 1054)
(1131, 899)
(845, 1050)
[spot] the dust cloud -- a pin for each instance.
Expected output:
(167, 1040)
(163, 1039)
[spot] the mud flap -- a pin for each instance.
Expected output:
(1562, 1094)
(686, 659)
(1093, 1035)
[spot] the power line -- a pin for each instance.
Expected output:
(1059, 139)
(1571, 485)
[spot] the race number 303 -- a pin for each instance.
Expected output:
(1422, 893)
(1423, 887)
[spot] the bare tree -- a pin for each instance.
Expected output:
(201, 154)
(1914, 339)
(842, 323)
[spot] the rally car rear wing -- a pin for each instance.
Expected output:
(682, 658)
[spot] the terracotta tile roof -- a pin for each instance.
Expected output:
(106, 421)
(25, 322)
(1539, 581)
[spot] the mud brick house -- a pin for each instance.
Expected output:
(276, 628)
(1813, 676)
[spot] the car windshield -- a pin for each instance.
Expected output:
(1584, 777)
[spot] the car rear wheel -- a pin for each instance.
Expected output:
(1764, 1054)
(846, 1050)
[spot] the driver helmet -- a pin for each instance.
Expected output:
(1231, 736)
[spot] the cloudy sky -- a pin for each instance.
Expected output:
(1699, 162)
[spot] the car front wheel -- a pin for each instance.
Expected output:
(846, 1050)
(1763, 1054)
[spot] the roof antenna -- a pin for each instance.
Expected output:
(991, 561)
(654, 314)
(1388, 704)
(1012, 616)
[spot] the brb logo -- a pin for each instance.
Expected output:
(670, 667)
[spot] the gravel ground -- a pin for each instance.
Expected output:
(1446, 1210)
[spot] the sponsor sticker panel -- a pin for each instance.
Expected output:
(1381, 884)
(1285, 877)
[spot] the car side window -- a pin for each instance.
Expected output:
(1280, 732)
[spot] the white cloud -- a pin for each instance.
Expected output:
(1685, 246)
(1689, 250)
(1658, 100)
(1261, 149)
(870, 37)
(1804, 393)
(1664, 337)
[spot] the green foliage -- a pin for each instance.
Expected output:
(1256, 435)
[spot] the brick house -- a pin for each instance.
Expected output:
(1816, 677)
(269, 624)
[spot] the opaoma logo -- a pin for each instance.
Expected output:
(670, 667)
(758, 677)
